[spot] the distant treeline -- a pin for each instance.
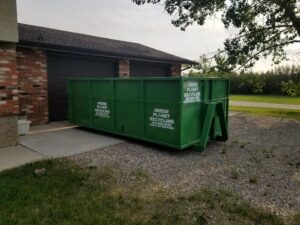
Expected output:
(280, 81)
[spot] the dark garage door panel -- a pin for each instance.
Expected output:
(147, 69)
(62, 66)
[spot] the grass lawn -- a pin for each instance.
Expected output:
(68, 195)
(283, 113)
(266, 98)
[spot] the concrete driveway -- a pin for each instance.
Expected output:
(15, 156)
(66, 142)
(51, 141)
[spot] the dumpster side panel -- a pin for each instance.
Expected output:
(102, 104)
(219, 93)
(191, 110)
(80, 101)
(206, 90)
(162, 110)
(128, 117)
(128, 106)
(196, 93)
(162, 90)
(191, 123)
(162, 122)
(219, 89)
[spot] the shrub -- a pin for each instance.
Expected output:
(247, 83)
(290, 88)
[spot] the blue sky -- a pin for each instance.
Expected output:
(123, 20)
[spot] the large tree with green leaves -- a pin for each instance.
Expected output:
(265, 27)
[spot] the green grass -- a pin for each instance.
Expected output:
(266, 98)
(68, 195)
(282, 113)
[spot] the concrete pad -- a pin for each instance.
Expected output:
(15, 156)
(67, 142)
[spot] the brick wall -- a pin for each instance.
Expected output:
(33, 84)
(124, 65)
(176, 70)
(124, 69)
(9, 102)
(9, 105)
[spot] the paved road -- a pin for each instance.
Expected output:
(264, 105)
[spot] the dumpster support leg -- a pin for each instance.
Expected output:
(223, 122)
(208, 120)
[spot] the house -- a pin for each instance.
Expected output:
(35, 63)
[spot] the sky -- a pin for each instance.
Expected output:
(123, 20)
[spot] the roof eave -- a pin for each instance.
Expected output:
(99, 53)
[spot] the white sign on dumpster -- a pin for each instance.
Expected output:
(192, 92)
(161, 118)
(102, 110)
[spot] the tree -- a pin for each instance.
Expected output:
(265, 27)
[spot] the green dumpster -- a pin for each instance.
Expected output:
(175, 112)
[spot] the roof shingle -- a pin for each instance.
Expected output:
(51, 38)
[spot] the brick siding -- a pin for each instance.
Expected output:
(124, 65)
(33, 84)
(176, 70)
(9, 105)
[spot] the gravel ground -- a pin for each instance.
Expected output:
(260, 162)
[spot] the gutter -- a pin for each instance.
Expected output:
(187, 68)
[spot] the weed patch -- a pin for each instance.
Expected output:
(67, 194)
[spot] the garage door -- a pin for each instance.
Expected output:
(62, 66)
(145, 69)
